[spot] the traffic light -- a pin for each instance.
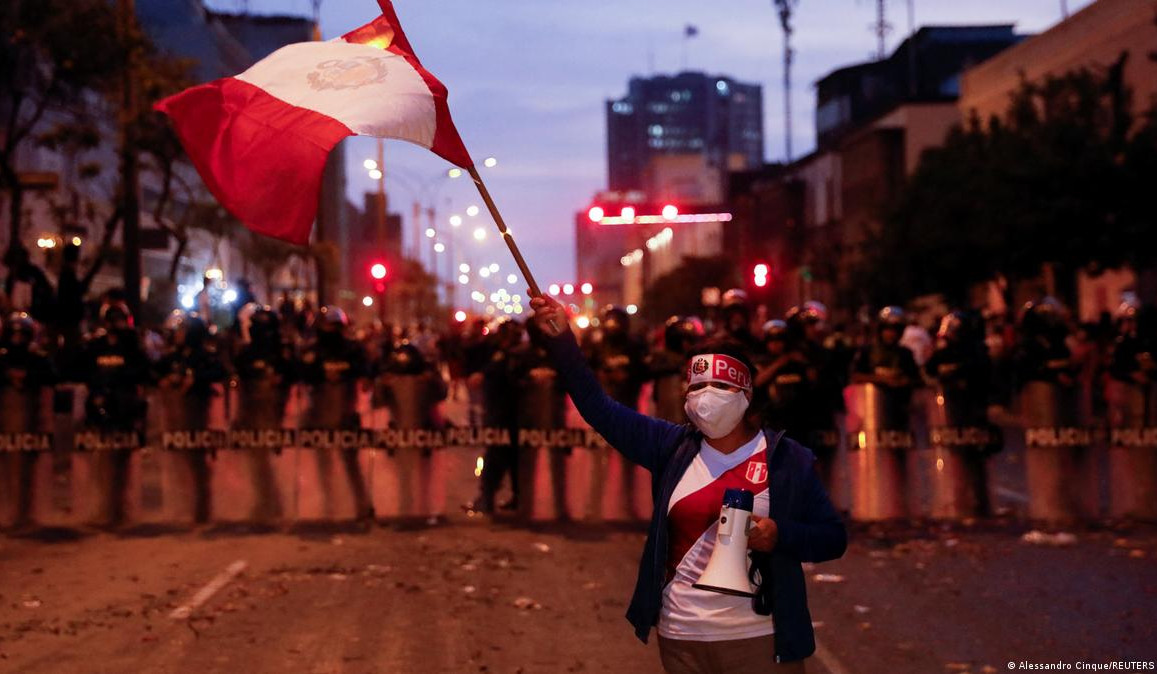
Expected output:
(378, 271)
(759, 275)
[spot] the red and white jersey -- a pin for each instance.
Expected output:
(693, 516)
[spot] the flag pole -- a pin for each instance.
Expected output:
(506, 236)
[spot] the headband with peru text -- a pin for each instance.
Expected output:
(716, 367)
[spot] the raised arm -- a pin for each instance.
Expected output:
(642, 439)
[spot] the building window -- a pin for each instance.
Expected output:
(722, 88)
(655, 130)
(622, 108)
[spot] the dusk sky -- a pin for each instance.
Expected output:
(528, 79)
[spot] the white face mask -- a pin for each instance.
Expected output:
(714, 411)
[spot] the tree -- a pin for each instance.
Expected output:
(1063, 179)
(60, 74)
(53, 56)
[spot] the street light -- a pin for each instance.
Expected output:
(439, 247)
(471, 210)
(493, 267)
(370, 164)
(463, 279)
(454, 173)
(367, 301)
(455, 220)
(484, 272)
(430, 233)
(490, 162)
(375, 174)
(464, 268)
(511, 279)
(479, 234)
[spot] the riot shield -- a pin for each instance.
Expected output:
(879, 440)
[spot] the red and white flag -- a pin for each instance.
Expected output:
(260, 139)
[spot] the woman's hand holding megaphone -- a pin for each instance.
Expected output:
(762, 533)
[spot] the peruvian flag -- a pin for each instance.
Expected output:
(260, 139)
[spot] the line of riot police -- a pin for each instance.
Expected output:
(812, 380)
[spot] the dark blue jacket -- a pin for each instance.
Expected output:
(810, 530)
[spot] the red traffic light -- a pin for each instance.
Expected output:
(759, 275)
(378, 271)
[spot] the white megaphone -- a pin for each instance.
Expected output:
(726, 571)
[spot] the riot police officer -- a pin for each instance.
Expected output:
(667, 366)
(890, 366)
(783, 382)
(114, 368)
(828, 359)
(1041, 354)
(618, 360)
(410, 386)
(264, 371)
(189, 377)
(334, 367)
(961, 438)
(1131, 394)
(735, 320)
(1132, 360)
(499, 410)
(26, 379)
(541, 406)
(617, 357)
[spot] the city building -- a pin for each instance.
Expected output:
(691, 113)
(1095, 37)
(813, 221)
(671, 143)
(925, 67)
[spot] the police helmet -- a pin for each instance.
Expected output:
(775, 329)
(892, 317)
(405, 359)
(1128, 308)
(682, 332)
(19, 328)
(614, 320)
(113, 312)
(332, 319)
(814, 312)
(736, 297)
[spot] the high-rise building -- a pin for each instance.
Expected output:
(689, 113)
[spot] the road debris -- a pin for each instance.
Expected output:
(527, 604)
(1061, 538)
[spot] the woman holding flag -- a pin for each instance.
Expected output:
(692, 466)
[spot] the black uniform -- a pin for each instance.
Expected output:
(333, 366)
(114, 367)
(893, 368)
(499, 410)
(264, 370)
(25, 374)
(188, 376)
